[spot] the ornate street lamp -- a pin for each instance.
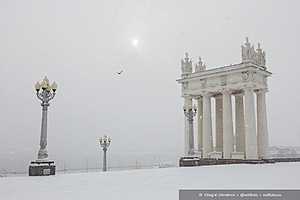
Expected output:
(104, 144)
(42, 166)
(190, 113)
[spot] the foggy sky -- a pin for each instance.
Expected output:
(81, 45)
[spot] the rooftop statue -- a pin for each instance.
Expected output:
(186, 65)
(261, 56)
(249, 54)
(200, 66)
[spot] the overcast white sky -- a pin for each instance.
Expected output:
(81, 44)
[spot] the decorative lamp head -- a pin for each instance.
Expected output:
(45, 83)
(104, 141)
(195, 108)
(185, 108)
(54, 86)
(37, 86)
(48, 88)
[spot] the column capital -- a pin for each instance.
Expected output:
(219, 96)
(240, 94)
(261, 91)
(198, 97)
(207, 94)
(248, 89)
(187, 96)
(226, 91)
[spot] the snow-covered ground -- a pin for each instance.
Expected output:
(150, 183)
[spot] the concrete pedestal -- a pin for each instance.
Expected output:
(216, 155)
(238, 155)
(41, 168)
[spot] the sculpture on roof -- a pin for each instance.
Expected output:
(249, 54)
(200, 66)
(186, 65)
(261, 56)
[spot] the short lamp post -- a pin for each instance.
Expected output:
(104, 144)
(42, 166)
(190, 112)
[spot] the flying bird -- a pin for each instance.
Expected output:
(120, 72)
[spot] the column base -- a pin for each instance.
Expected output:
(41, 168)
(196, 161)
(215, 155)
(238, 155)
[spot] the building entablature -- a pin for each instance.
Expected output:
(250, 73)
(234, 78)
(241, 67)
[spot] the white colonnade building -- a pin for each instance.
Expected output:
(236, 94)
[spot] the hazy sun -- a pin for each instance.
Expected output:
(135, 42)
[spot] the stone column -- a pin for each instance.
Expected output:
(262, 126)
(207, 127)
(250, 125)
(200, 124)
(219, 123)
(239, 123)
(227, 125)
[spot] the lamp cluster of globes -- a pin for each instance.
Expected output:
(105, 141)
(45, 85)
(187, 108)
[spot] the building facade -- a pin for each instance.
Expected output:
(237, 94)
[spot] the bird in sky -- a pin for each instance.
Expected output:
(120, 72)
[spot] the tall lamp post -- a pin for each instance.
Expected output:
(104, 144)
(190, 113)
(42, 166)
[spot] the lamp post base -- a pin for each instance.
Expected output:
(41, 168)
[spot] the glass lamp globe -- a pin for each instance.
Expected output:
(54, 86)
(37, 86)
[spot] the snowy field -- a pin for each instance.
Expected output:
(150, 183)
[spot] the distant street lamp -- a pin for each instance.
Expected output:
(104, 144)
(42, 166)
(190, 113)
(45, 96)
